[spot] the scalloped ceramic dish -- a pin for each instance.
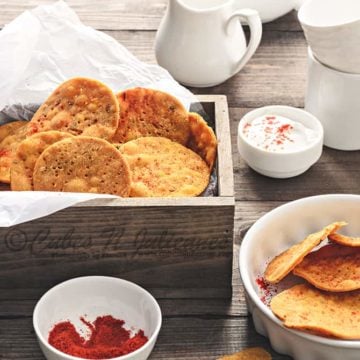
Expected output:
(271, 234)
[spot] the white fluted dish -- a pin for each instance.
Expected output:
(271, 234)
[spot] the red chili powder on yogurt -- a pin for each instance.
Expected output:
(276, 133)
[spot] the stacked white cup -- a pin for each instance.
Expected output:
(332, 30)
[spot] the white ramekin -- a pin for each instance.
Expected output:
(281, 164)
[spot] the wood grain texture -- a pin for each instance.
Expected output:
(158, 247)
(122, 14)
(274, 75)
(224, 150)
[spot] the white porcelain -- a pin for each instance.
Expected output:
(281, 164)
(96, 296)
(332, 30)
(270, 10)
(202, 43)
(333, 97)
(271, 234)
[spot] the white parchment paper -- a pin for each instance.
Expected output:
(39, 50)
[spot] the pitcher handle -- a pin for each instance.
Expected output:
(252, 18)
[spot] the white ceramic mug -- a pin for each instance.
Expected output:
(333, 97)
(202, 43)
(332, 30)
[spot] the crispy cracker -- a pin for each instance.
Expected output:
(255, 353)
(7, 151)
(202, 139)
(284, 263)
(345, 240)
(164, 168)
(82, 164)
(148, 112)
(10, 127)
(332, 268)
(79, 106)
(27, 153)
(328, 314)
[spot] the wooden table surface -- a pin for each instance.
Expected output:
(208, 328)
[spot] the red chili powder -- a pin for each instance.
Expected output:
(108, 339)
(284, 128)
(264, 287)
(4, 152)
(33, 128)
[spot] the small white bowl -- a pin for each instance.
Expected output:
(95, 296)
(281, 164)
(276, 231)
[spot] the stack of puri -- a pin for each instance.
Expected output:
(139, 143)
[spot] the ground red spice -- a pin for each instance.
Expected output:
(108, 339)
(264, 287)
(281, 129)
(4, 152)
(33, 128)
(261, 282)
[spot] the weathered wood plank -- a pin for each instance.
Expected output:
(20, 301)
(122, 14)
(200, 338)
(335, 172)
(114, 14)
(158, 247)
(275, 75)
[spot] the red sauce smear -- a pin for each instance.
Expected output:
(108, 339)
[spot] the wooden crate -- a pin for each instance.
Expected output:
(175, 248)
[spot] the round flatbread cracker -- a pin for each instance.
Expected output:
(7, 152)
(345, 240)
(255, 353)
(202, 139)
(164, 168)
(332, 268)
(284, 263)
(29, 150)
(9, 128)
(82, 164)
(148, 112)
(303, 307)
(79, 106)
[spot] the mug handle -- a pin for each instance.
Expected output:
(252, 18)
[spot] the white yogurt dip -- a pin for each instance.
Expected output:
(278, 134)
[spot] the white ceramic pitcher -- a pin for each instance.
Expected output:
(201, 42)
